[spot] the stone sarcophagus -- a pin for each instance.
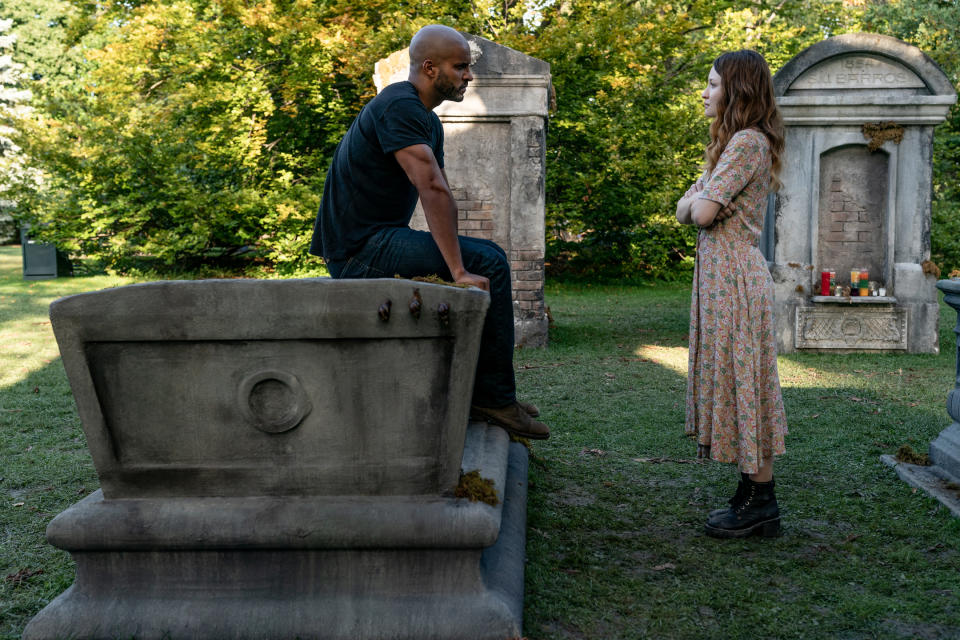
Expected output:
(278, 460)
(860, 111)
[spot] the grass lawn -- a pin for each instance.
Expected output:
(615, 541)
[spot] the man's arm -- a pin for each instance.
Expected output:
(439, 207)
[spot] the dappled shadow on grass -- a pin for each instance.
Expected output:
(608, 528)
(46, 467)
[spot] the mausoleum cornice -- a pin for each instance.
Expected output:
(857, 109)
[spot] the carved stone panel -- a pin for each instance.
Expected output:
(851, 328)
(853, 205)
(862, 71)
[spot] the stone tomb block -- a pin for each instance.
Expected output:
(278, 459)
(858, 71)
(859, 111)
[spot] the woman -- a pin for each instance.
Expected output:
(734, 405)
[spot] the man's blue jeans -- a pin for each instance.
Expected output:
(408, 253)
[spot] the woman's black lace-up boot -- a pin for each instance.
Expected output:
(756, 514)
(734, 501)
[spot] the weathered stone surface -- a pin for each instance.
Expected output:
(941, 477)
(850, 328)
(853, 193)
(278, 459)
(495, 156)
(945, 449)
(246, 387)
(370, 575)
(901, 56)
(844, 206)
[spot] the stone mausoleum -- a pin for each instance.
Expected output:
(860, 111)
(494, 148)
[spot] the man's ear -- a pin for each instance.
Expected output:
(427, 68)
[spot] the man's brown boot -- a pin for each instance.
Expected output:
(514, 419)
(531, 410)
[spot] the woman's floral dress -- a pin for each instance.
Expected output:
(734, 405)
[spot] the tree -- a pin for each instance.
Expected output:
(33, 52)
(932, 26)
(13, 108)
(202, 129)
(628, 134)
(180, 132)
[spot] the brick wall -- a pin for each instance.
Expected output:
(851, 229)
(475, 219)
(526, 266)
(474, 213)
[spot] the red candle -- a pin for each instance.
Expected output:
(824, 283)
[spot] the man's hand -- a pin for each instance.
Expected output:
(473, 280)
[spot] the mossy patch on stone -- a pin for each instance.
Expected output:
(879, 132)
(906, 454)
(476, 489)
(434, 279)
(930, 268)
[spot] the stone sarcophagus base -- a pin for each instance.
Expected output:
(277, 460)
(945, 449)
(310, 567)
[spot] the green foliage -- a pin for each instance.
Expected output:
(13, 107)
(202, 130)
(35, 43)
(175, 133)
(621, 140)
(41, 38)
(628, 133)
(191, 136)
(932, 26)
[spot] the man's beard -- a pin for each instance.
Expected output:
(448, 90)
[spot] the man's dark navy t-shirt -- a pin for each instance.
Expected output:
(366, 189)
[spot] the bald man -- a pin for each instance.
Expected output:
(391, 156)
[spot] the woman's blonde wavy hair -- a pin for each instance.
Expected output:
(747, 102)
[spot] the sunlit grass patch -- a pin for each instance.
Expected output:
(673, 358)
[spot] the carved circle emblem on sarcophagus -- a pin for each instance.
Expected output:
(273, 401)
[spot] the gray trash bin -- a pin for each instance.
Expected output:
(39, 259)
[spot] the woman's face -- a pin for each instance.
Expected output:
(712, 94)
